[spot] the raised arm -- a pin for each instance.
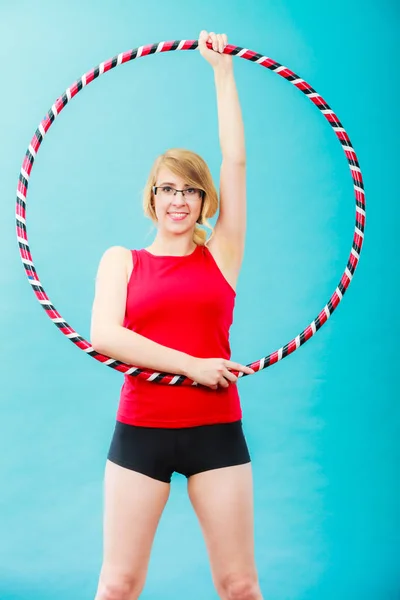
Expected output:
(229, 236)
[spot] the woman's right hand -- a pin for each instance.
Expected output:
(215, 372)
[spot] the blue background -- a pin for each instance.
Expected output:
(323, 425)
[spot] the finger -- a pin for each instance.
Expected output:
(203, 37)
(221, 43)
(247, 370)
(213, 39)
(230, 376)
(238, 367)
(225, 39)
(223, 382)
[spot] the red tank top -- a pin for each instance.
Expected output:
(184, 303)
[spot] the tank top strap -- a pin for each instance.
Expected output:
(134, 257)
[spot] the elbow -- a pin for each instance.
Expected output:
(99, 340)
(98, 345)
(238, 160)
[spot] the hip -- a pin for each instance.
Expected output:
(158, 452)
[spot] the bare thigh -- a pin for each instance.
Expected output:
(223, 502)
(133, 507)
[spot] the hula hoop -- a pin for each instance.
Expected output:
(124, 57)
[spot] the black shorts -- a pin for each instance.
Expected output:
(159, 452)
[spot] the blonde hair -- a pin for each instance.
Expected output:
(194, 170)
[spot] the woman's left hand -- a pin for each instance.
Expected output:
(215, 57)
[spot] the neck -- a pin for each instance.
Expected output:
(180, 246)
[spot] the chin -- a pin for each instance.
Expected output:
(181, 226)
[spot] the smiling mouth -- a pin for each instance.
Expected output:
(177, 216)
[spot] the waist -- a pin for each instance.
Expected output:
(154, 405)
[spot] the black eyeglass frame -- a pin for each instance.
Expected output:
(156, 187)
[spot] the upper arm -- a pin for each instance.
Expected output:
(109, 303)
(228, 239)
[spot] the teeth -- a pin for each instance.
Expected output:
(177, 214)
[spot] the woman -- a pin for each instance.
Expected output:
(169, 307)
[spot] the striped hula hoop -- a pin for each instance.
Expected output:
(124, 57)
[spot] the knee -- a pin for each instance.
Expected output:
(119, 587)
(238, 587)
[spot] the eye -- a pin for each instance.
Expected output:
(190, 191)
(166, 189)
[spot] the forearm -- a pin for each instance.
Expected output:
(230, 120)
(134, 349)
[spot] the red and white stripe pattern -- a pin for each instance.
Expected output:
(58, 106)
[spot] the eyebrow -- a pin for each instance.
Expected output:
(172, 184)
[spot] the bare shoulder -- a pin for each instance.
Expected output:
(116, 258)
(116, 253)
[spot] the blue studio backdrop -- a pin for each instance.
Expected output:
(323, 425)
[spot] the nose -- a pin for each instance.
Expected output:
(178, 199)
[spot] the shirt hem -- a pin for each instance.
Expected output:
(215, 420)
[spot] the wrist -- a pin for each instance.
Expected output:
(186, 363)
(224, 70)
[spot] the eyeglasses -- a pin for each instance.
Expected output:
(168, 191)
